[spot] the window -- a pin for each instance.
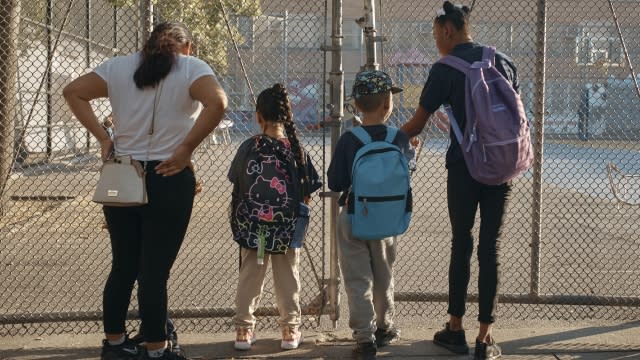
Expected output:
(596, 45)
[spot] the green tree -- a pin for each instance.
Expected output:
(206, 21)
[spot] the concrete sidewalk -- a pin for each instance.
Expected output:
(527, 341)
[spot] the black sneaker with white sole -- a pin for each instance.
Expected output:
(167, 355)
(173, 344)
(484, 351)
(454, 341)
(385, 337)
(125, 351)
(171, 338)
(365, 351)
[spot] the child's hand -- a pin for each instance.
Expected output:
(415, 142)
(442, 121)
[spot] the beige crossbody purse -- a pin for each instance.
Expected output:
(122, 179)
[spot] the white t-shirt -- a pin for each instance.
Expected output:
(132, 108)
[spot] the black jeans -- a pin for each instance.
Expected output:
(145, 241)
(464, 194)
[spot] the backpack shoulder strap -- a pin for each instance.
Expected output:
(454, 124)
(361, 134)
(489, 54)
(391, 134)
(456, 63)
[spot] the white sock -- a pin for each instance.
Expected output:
(156, 353)
(120, 341)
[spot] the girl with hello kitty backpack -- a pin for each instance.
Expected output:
(272, 181)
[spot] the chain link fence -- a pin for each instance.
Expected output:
(570, 247)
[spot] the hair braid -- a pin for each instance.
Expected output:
(286, 117)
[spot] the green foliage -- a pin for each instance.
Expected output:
(206, 21)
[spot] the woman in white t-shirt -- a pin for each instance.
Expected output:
(164, 103)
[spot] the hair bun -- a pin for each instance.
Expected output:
(448, 7)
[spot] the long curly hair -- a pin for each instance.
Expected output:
(159, 53)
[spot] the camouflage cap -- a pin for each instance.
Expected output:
(371, 82)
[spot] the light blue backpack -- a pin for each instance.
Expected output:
(380, 198)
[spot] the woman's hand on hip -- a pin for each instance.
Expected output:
(180, 159)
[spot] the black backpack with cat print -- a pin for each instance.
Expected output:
(266, 196)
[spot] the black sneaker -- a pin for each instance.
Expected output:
(385, 337)
(137, 338)
(365, 351)
(487, 351)
(125, 351)
(167, 355)
(173, 344)
(453, 341)
(171, 338)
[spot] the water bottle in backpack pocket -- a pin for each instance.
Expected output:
(380, 199)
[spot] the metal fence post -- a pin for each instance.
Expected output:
(369, 26)
(49, 80)
(146, 21)
(87, 34)
(536, 213)
(336, 94)
(9, 28)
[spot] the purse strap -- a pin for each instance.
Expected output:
(152, 128)
(156, 99)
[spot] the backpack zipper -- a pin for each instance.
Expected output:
(497, 143)
(366, 199)
(380, 198)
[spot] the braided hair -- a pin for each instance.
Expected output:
(274, 105)
(458, 15)
(159, 53)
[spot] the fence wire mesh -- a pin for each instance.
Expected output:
(55, 254)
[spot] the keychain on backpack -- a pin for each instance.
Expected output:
(262, 243)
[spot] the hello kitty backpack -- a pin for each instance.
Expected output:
(266, 195)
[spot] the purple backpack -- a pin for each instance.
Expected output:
(496, 142)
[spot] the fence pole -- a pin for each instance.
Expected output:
(336, 94)
(536, 213)
(285, 48)
(146, 21)
(49, 84)
(87, 55)
(369, 25)
(9, 25)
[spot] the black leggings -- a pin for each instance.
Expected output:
(145, 241)
(464, 195)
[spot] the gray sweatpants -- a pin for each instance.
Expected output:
(367, 270)
(286, 280)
